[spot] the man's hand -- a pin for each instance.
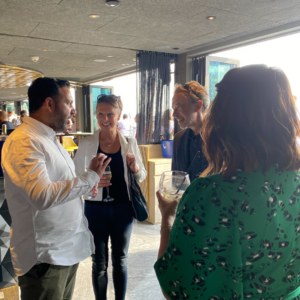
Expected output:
(98, 164)
(103, 182)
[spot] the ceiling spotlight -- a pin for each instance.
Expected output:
(112, 3)
(45, 49)
(211, 17)
(125, 64)
(109, 56)
(35, 58)
(94, 16)
(74, 69)
(100, 60)
(134, 59)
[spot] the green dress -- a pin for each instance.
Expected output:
(235, 238)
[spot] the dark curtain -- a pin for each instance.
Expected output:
(199, 69)
(153, 96)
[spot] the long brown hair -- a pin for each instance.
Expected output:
(252, 122)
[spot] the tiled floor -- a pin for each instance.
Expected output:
(142, 282)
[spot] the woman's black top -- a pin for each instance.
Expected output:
(118, 189)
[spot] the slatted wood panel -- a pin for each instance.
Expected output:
(12, 77)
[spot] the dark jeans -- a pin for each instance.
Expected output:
(48, 282)
(114, 221)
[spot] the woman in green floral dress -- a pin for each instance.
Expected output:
(236, 232)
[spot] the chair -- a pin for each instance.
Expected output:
(71, 152)
(68, 143)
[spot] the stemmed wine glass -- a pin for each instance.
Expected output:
(173, 184)
(108, 175)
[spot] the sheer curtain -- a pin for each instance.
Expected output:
(153, 96)
(199, 69)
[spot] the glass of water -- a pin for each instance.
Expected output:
(173, 184)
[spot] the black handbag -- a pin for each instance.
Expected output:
(139, 204)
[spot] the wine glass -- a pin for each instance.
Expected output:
(173, 184)
(108, 175)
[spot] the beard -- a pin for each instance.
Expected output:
(59, 122)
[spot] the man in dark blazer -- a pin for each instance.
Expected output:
(188, 103)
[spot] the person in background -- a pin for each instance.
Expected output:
(110, 219)
(189, 103)
(11, 117)
(49, 234)
(167, 124)
(20, 119)
(23, 114)
(124, 125)
(4, 120)
(70, 123)
(236, 231)
(73, 127)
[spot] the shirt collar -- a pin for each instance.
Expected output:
(39, 126)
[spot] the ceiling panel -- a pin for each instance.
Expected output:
(291, 13)
(39, 12)
(101, 52)
(252, 7)
(16, 27)
(60, 33)
(11, 94)
(31, 43)
(53, 55)
(166, 11)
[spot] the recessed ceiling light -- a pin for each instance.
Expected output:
(74, 69)
(211, 17)
(162, 47)
(134, 59)
(125, 64)
(109, 56)
(100, 60)
(112, 3)
(94, 16)
(45, 49)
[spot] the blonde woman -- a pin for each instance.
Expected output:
(110, 218)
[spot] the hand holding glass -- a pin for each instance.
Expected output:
(173, 184)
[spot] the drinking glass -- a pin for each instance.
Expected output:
(173, 184)
(108, 175)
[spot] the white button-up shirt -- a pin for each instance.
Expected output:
(44, 199)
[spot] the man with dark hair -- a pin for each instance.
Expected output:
(49, 233)
(4, 120)
(188, 103)
(124, 125)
